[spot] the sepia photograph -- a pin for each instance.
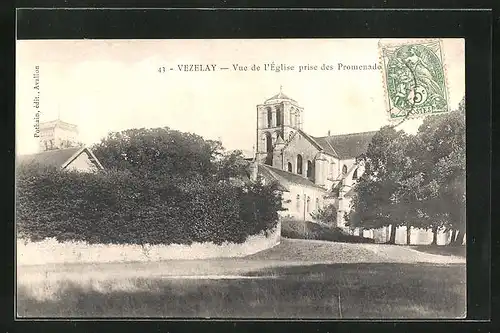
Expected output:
(241, 178)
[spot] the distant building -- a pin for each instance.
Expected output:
(310, 169)
(76, 158)
(58, 134)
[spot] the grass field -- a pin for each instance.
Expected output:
(318, 291)
(338, 281)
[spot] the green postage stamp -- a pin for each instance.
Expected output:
(414, 77)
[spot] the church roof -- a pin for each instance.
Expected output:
(346, 145)
(59, 158)
(280, 96)
(284, 177)
(327, 148)
(311, 139)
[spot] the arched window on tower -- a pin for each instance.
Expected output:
(290, 135)
(299, 164)
(269, 118)
(269, 143)
(309, 169)
(290, 168)
(355, 174)
(344, 169)
(278, 116)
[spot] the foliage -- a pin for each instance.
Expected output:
(159, 153)
(298, 229)
(327, 214)
(160, 187)
(414, 180)
(443, 165)
(379, 199)
(231, 165)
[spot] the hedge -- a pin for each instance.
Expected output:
(298, 229)
(119, 208)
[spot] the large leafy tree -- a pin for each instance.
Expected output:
(415, 180)
(443, 166)
(160, 153)
(232, 165)
(386, 190)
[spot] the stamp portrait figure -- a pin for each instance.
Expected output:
(415, 79)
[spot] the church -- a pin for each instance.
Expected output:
(312, 171)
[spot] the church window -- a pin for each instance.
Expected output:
(290, 167)
(297, 203)
(317, 203)
(299, 164)
(274, 136)
(332, 169)
(355, 174)
(308, 206)
(269, 142)
(278, 117)
(309, 169)
(290, 135)
(269, 118)
(344, 169)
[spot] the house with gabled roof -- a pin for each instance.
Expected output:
(313, 171)
(74, 158)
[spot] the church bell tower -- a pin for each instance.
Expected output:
(279, 117)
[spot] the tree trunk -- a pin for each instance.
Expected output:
(408, 234)
(459, 237)
(392, 238)
(453, 236)
(461, 240)
(434, 235)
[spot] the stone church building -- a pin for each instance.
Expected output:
(307, 167)
(315, 171)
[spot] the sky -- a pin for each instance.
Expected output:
(113, 85)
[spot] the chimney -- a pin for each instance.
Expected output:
(328, 132)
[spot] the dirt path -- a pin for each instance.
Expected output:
(289, 253)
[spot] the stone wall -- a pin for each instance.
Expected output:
(297, 210)
(52, 252)
(300, 145)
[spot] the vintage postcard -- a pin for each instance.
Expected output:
(242, 178)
